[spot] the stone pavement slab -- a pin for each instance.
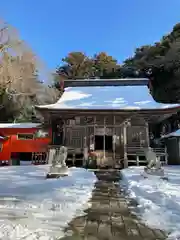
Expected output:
(109, 217)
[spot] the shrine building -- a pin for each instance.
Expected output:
(110, 118)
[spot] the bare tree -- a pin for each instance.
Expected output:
(20, 86)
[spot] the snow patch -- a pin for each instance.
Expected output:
(158, 200)
(87, 104)
(142, 102)
(169, 105)
(73, 95)
(132, 107)
(32, 207)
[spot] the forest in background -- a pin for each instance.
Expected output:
(160, 62)
(21, 87)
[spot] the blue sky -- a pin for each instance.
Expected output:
(54, 28)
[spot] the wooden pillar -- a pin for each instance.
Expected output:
(53, 127)
(85, 146)
(57, 137)
(60, 132)
(125, 145)
(104, 138)
(64, 133)
(114, 141)
(94, 131)
(57, 132)
(137, 160)
(147, 134)
(166, 156)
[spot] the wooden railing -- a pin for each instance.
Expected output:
(39, 158)
(137, 155)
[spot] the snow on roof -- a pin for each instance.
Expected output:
(173, 134)
(107, 97)
(19, 125)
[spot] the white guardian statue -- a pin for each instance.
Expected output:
(58, 167)
(154, 166)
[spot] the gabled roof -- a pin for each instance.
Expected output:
(107, 98)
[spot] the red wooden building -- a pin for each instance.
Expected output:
(23, 142)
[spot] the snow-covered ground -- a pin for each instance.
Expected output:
(158, 200)
(32, 207)
(25, 163)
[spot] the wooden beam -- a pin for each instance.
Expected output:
(106, 82)
(94, 121)
(104, 139)
(147, 134)
(114, 143)
(150, 115)
(125, 145)
(100, 126)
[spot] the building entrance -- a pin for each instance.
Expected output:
(103, 143)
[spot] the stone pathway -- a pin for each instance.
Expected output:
(109, 218)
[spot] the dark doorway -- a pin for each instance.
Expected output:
(22, 156)
(25, 156)
(99, 143)
(108, 143)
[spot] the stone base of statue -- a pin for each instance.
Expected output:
(154, 171)
(58, 171)
(154, 166)
(59, 168)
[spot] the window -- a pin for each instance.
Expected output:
(77, 120)
(72, 122)
(25, 136)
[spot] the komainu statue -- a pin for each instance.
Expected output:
(58, 167)
(154, 166)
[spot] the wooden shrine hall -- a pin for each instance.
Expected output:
(105, 120)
